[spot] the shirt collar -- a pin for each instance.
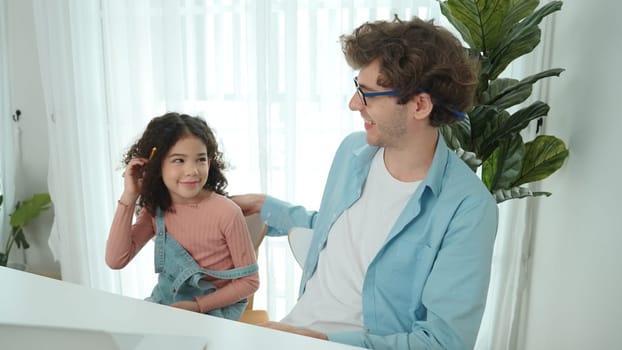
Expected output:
(433, 179)
(436, 173)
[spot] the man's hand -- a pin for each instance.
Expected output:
(187, 305)
(249, 203)
(291, 329)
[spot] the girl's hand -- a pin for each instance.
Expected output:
(133, 181)
(187, 305)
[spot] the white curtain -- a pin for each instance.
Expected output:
(507, 276)
(268, 76)
(512, 252)
(8, 128)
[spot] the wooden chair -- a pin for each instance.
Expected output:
(257, 230)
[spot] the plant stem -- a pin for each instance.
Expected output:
(9, 242)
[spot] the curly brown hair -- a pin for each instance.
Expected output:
(416, 56)
(163, 132)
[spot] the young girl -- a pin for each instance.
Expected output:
(203, 252)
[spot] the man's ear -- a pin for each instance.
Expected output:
(421, 106)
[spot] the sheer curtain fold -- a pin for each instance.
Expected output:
(506, 280)
(7, 130)
(68, 40)
(268, 76)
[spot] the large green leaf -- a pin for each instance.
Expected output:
(518, 10)
(511, 50)
(499, 30)
(481, 118)
(482, 23)
(520, 40)
(460, 27)
(505, 93)
(536, 17)
(457, 135)
(469, 158)
(495, 88)
(504, 165)
(487, 141)
(29, 209)
(513, 125)
(521, 118)
(479, 21)
(502, 195)
(543, 156)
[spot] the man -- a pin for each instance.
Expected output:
(403, 239)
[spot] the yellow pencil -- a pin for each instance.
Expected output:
(153, 151)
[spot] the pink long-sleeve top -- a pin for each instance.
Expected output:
(213, 232)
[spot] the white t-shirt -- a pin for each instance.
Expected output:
(332, 301)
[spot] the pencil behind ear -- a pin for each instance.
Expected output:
(153, 152)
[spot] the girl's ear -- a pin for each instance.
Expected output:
(421, 106)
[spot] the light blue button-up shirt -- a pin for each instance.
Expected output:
(426, 288)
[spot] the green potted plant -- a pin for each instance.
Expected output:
(21, 216)
(498, 32)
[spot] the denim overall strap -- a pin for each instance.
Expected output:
(226, 274)
(160, 241)
(191, 272)
(181, 278)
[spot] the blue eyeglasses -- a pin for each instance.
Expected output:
(364, 95)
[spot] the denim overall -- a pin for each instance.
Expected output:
(181, 278)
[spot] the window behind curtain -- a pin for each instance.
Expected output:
(268, 76)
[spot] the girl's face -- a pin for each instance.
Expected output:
(185, 169)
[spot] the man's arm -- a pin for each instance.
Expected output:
(281, 216)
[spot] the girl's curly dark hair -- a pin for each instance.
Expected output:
(417, 56)
(163, 132)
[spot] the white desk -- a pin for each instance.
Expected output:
(42, 313)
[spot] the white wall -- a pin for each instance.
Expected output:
(26, 94)
(575, 295)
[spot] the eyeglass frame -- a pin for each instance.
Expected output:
(363, 96)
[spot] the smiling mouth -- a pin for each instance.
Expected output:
(188, 183)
